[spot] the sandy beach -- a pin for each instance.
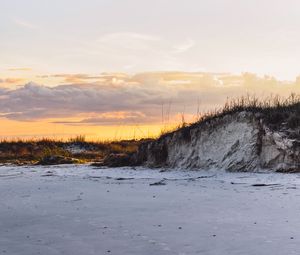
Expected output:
(84, 210)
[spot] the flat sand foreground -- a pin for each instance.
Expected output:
(83, 210)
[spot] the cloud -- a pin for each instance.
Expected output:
(113, 118)
(24, 23)
(107, 78)
(34, 101)
(25, 69)
(132, 41)
(9, 81)
(129, 99)
(134, 51)
(185, 46)
(72, 78)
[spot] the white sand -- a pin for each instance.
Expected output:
(80, 211)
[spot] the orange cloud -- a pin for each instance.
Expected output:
(109, 101)
(11, 81)
(81, 78)
(20, 69)
(156, 97)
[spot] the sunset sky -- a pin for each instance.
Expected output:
(113, 69)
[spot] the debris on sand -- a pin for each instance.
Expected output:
(123, 179)
(162, 182)
(48, 173)
(265, 185)
(200, 177)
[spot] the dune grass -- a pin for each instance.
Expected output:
(277, 112)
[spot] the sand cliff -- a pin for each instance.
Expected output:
(242, 141)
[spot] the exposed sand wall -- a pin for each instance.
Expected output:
(238, 142)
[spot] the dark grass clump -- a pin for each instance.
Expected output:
(280, 114)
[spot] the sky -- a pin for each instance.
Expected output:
(114, 69)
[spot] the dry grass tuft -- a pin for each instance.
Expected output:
(278, 112)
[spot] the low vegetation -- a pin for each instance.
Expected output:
(33, 152)
(281, 114)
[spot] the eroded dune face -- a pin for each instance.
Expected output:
(237, 142)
